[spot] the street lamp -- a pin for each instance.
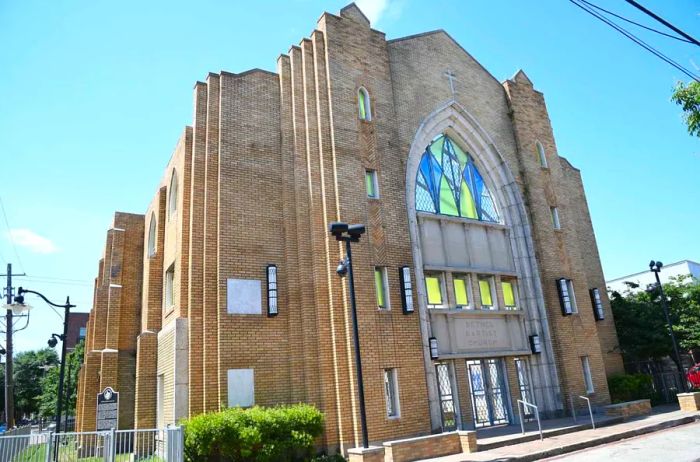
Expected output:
(655, 267)
(352, 233)
(19, 300)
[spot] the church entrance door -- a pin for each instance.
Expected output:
(488, 392)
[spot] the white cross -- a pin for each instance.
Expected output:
(451, 77)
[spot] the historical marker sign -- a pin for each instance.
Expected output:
(107, 410)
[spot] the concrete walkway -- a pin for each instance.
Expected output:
(511, 449)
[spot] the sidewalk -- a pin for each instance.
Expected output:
(511, 449)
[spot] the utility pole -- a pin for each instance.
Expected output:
(9, 382)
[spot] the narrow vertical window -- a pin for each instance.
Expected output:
(485, 293)
(541, 155)
(160, 392)
(172, 196)
(461, 293)
(169, 286)
(433, 285)
(363, 103)
(371, 184)
(391, 393)
(565, 287)
(556, 224)
(152, 236)
(508, 295)
(406, 289)
(587, 377)
(380, 285)
(598, 311)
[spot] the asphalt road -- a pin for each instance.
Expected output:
(679, 444)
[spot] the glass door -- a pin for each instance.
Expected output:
(488, 392)
(447, 403)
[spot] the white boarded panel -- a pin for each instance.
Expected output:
(241, 387)
(479, 247)
(431, 238)
(455, 243)
(243, 296)
(500, 249)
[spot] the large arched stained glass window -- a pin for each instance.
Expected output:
(448, 183)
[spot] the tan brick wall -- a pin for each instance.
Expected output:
(559, 252)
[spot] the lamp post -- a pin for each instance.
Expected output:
(348, 234)
(655, 267)
(19, 300)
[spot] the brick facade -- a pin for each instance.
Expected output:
(270, 160)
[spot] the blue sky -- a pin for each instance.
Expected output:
(93, 96)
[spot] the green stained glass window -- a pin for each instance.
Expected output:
(449, 183)
(461, 292)
(432, 284)
(363, 104)
(508, 294)
(379, 287)
(371, 183)
(485, 292)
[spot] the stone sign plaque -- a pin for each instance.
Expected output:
(468, 333)
(107, 410)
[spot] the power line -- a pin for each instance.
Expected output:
(9, 234)
(637, 40)
(662, 21)
(636, 23)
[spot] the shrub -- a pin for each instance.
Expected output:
(282, 433)
(630, 387)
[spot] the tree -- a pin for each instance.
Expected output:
(688, 97)
(29, 369)
(49, 385)
(642, 330)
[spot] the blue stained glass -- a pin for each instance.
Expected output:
(439, 180)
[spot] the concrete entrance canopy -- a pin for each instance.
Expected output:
(510, 250)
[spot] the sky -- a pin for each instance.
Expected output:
(94, 94)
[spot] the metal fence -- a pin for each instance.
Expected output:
(153, 445)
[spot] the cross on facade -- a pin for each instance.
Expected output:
(451, 77)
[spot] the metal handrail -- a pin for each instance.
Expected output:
(537, 414)
(590, 410)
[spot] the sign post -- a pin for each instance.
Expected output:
(107, 410)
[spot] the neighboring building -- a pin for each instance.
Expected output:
(645, 278)
(77, 329)
(478, 235)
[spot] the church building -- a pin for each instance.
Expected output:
(478, 281)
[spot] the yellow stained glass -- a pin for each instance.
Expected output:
(432, 283)
(485, 291)
(461, 292)
(461, 156)
(508, 295)
(363, 104)
(436, 148)
(467, 205)
(379, 287)
(447, 199)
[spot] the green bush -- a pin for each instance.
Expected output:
(282, 433)
(630, 387)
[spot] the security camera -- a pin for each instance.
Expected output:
(52, 342)
(356, 230)
(342, 268)
(337, 229)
